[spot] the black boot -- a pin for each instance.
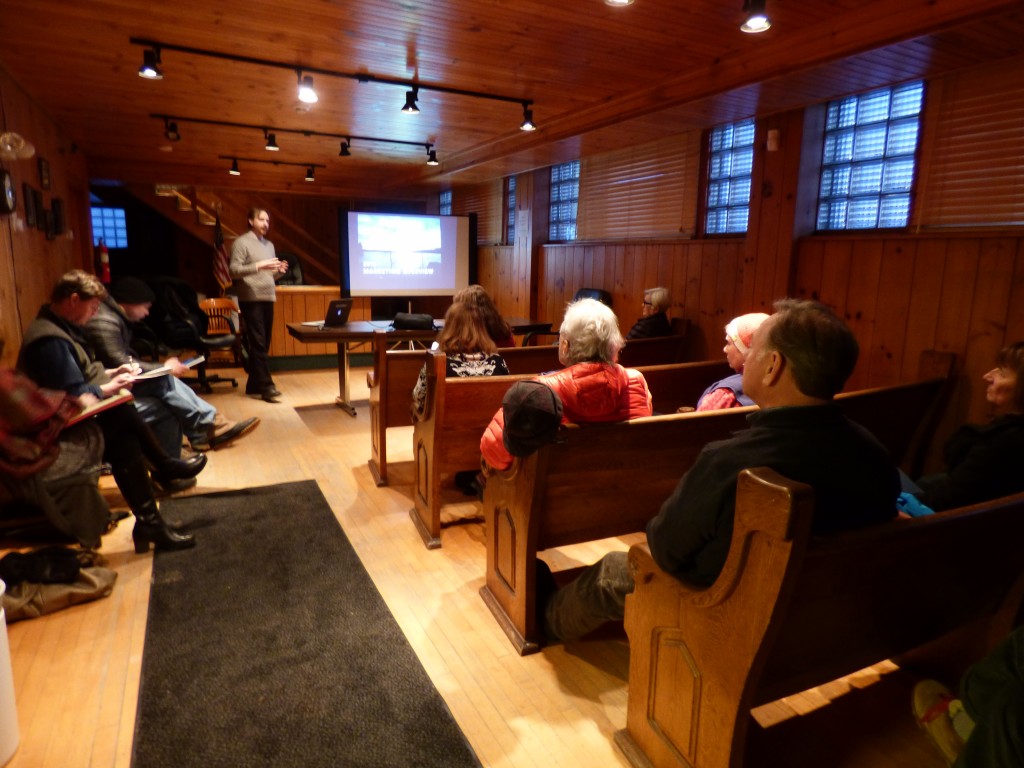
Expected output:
(151, 527)
(167, 469)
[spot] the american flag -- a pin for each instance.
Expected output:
(220, 258)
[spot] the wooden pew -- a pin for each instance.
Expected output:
(394, 375)
(605, 480)
(447, 439)
(799, 611)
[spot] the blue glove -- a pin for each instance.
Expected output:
(909, 503)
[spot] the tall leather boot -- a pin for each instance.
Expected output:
(151, 527)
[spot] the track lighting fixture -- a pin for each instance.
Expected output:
(431, 156)
(150, 68)
(618, 3)
(307, 94)
(410, 107)
(527, 124)
(171, 131)
(310, 167)
(756, 18)
(306, 81)
(270, 133)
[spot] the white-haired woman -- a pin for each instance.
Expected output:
(592, 386)
(653, 320)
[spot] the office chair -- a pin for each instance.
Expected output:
(594, 293)
(182, 324)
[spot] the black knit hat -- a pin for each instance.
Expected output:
(533, 412)
(131, 290)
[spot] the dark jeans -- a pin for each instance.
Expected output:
(993, 695)
(258, 320)
(596, 596)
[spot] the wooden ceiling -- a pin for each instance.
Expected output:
(599, 77)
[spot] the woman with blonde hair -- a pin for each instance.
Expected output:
(653, 319)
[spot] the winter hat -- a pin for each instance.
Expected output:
(740, 330)
(131, 290)
(532, 414)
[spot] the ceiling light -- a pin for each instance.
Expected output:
(410, 107)
(344, 150)
(757, 20)
(271, 142)
(171, 131)
(309, 173)
(233, 170)
(307, 95)
(527, 124)
(150, 68)
(618, 3)
(432, 157)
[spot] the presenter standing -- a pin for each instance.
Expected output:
(255, 269)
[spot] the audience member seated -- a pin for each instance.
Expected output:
(44, 466)
(169, 406)
(800, 358)
(653, 319)
(983, 461)
(55, 354)
(592, 387)
(468, 348)
(728, 392)
(984, 728)
(476, 297)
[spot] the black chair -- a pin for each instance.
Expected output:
(180, 323)
(594, 293)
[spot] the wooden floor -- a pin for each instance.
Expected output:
(76, 672)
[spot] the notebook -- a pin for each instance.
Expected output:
(337, 315)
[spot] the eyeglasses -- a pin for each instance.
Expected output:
(648, 304)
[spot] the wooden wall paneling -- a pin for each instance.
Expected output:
(924, 302)
(835, 275)
(953, 321)
(807, 272)
(884, 358)
(579, 257)
(1015, 313)
(691, 277)
(711, 318)
(729, 278)
(987, 324)
(861, 301)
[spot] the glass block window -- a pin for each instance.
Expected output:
(510, 210)
(731, 159)
(444, 203)
(565, 196)
(108, 225)
(867, 170)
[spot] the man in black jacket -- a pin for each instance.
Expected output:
(801, 357)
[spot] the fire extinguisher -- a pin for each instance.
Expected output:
(103, 263)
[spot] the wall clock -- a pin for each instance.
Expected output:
(8, 200)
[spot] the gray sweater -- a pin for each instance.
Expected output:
(251, 283)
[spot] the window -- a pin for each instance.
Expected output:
(565, 195)
(444, 203)
(108, 225)
(731, 160)
(868, 163)
(510, 210)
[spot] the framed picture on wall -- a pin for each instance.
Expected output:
(37, 198)
(29, 198)
(58, 215)
(44, 173)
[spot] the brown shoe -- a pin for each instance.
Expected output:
(231, 430)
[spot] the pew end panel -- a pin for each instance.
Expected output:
(391, 383)
(791, 611)
(546, 500)
(447, 439)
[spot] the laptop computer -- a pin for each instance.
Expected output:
(337, 315)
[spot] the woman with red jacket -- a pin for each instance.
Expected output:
(592, 386)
